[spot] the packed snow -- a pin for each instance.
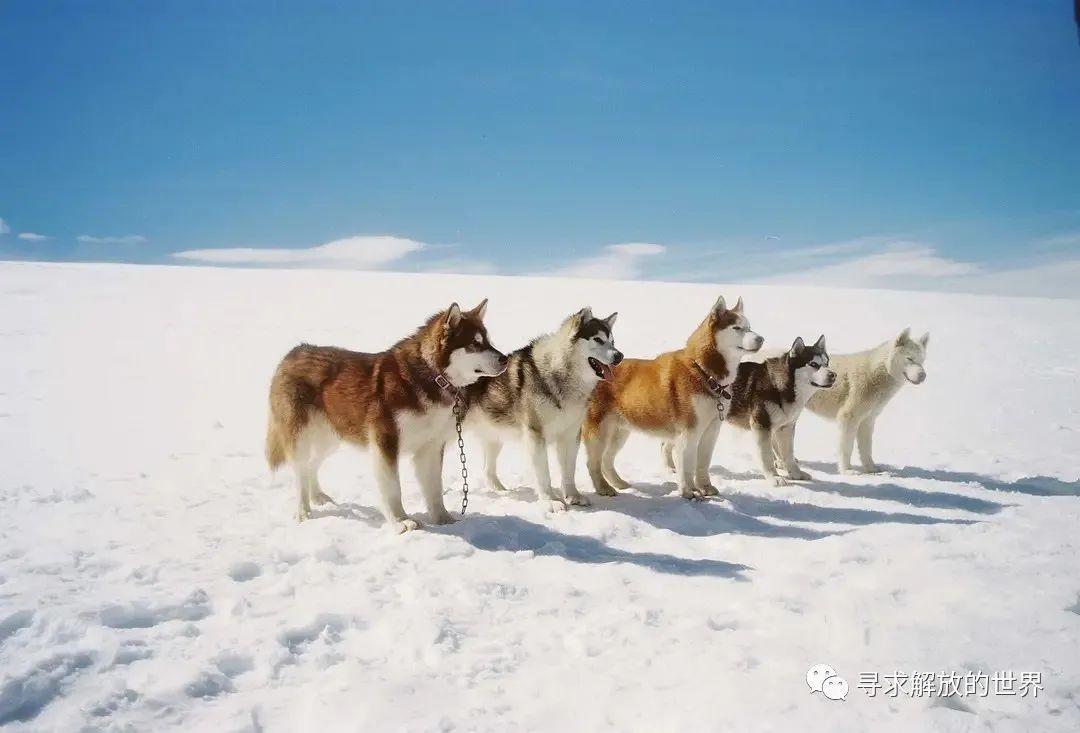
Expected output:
(152, 576)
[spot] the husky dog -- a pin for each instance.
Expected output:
(541, 397)
(867, 381)
(674, 396)
(770, 395)
(391, 401)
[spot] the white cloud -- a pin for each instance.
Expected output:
(31, 237)
(4, 228)
(617, 262)
(360, 252)
(902, 264)
(127, 239)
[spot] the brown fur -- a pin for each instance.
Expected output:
(360, 393)
(657, 394)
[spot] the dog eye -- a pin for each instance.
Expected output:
(597, 339)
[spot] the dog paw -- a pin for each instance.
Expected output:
(619, 483)
(303, 515)
(577, 500)
(606, 491)
(443, 518)
(871, 468)
(850, 471)
(707, 489)
(556, 506)
(778, 481)
(497, 485)
(405, 525)
(692, 494)
(320, 498)
(800, 475)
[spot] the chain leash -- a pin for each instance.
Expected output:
(459, 417)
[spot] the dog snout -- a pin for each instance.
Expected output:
(830, 378)
(618, 356)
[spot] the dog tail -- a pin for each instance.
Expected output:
(294, 392)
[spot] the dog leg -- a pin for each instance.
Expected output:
(537, 449)
(428, 463)
(492, 448)
(786, 442)
(686, 448)
(847, 441)
(386, 476)
(666, 447)
(302, 473)
(607, 465)
(706, 446)
(595, 447)
(566, 447)
(865, 436)
(765, 453)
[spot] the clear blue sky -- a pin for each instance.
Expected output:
(525, 134)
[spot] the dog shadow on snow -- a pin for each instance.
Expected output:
(1031, 485)
(515, 534)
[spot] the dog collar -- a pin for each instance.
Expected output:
(447, 386)
(715, 386)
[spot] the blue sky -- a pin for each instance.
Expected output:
(931, 143)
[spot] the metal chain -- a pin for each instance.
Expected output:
(459, 416)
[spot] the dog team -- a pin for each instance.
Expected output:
(566, 387)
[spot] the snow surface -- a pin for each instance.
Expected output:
(152, 576)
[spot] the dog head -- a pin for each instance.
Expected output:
(467, 355)
(906, 357)
(593, 344)
(731, 329)
(810, 364)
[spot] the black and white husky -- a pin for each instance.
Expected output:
(768, 397)
(541, 400)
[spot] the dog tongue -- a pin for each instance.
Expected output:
(605, 371)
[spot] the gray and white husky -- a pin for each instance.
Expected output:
(541, 400)
(866, 382)
(768, 397)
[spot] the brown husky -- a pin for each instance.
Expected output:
(674, 397)
(391, 401)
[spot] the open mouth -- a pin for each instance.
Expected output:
(823, 386)
(600, 369)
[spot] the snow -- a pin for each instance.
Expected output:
(152, 576)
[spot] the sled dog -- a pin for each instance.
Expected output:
(541, 399)
(391, 401)
(865, 384)
(674, 397)
(768, 397)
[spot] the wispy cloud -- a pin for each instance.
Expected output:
(359, 252)
(899, 264)
(126, 239)
(617, 262)
(4, 228)
(32, 237)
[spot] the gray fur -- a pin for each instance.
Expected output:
(541, 399)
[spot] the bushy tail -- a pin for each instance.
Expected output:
(275, 446)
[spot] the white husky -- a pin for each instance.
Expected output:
(865, 383)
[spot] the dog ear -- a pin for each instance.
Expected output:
(719, 306)
(480, 310)
(610, 320)
(738, 305)
(820, 345)
(453, 315)
(925, 339)
(905, 335)
(796, 346)
(573, 323)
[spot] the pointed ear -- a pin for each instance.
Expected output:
(904, 336)
(719, 306)
(797, 345)
(610, 320)
(925, 339)
(820, 345)
(738, 305)
(573, 323)
(453, 315)
(480, 310)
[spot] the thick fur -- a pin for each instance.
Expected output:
(669, 397)
(865, 383)
(388, 401)
(768, 398)
(541, 399)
